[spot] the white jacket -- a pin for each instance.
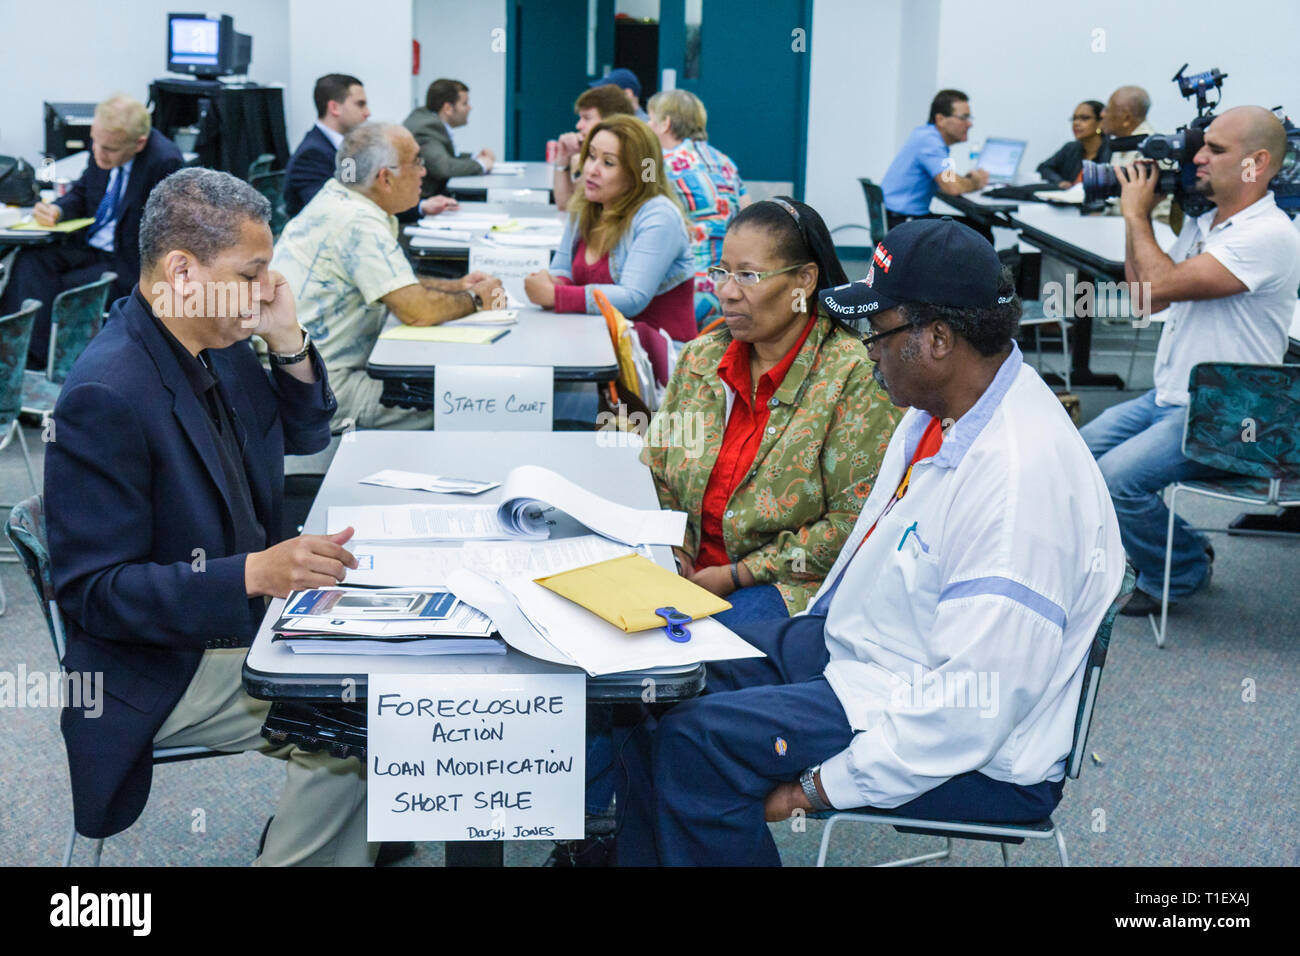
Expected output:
(959, 633)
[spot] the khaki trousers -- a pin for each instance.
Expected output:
(321, 817)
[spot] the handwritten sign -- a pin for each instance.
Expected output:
(510, 264)
(516, 398)
(476, 756)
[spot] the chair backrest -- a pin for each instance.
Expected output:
(875, 210)
(25, 529)
(75, 319)
(262, 164)
(630, 386)
(271, 185)
(15, 336)
(1242, 418)
(1092, 674)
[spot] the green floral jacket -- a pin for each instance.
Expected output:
(789, 518)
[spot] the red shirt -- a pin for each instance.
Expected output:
(672, 310)
(740, 441)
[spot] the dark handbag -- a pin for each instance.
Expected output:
(18, 182)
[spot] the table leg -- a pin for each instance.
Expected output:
(475, 853)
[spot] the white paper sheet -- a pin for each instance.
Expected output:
(416, 523)
(416, 566)
(417, 481)
(629, 525)
(542, 624)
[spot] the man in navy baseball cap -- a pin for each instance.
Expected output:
(943, 284)
(986, 551)
(627, 81)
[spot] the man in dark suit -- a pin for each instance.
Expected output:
(164, 490)
(446, 107)
(129, 160)
(340, 107)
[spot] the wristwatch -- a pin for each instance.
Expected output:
(283, 358)
(810, 790)
(475, 298)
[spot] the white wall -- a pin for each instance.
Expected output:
(853, 106)
(371, 41)
(1026, 66)
(877, 63)
(457, 41)
(80, 51)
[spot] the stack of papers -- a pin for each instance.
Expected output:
(66, 225)
(544, 625)
(426, 523)
(392, 478)
(383, 621)
(391, 565)
(526, 493)
(506, 169)
(489, 317)
(458, 335)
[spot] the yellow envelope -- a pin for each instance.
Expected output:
(625, 591)
(461, 335)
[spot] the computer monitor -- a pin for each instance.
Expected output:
(206, 45)
(1000, 158)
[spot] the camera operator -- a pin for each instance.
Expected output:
(1227, 289)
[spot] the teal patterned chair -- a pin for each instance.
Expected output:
(25, 530)
(1004, 833)
(15, 333)
(1242, 419)
(271, 185)
(75, 318)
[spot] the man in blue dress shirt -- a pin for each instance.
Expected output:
(923, 167)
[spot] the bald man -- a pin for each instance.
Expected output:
(1226, 291)
(1125, 114)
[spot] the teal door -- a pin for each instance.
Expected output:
(750, 66)
(546, 68)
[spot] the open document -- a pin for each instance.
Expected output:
(381, 565)
(544, 625)
(525, 494)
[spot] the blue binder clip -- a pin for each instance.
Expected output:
(675, 618)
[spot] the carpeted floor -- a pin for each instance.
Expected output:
(1187, 766)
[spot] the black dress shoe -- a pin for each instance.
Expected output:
(1141, 604)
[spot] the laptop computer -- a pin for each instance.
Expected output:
(1000, 158)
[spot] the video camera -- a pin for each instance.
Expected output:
(1179, 180)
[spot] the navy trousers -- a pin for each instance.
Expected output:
(42, 272)
(695, 783)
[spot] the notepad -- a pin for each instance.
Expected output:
(460, 335)
(626, 591)
(67, 225)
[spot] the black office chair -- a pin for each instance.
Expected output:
(876, 223)
(1004, 833)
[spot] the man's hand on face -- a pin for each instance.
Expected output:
(1137, 195)
(277, 320)
(307, 561)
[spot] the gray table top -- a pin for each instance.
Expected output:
(1099, 236)
(616, 473)
(576, 346)
(534, 176)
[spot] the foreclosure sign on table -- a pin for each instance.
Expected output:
(476, 756)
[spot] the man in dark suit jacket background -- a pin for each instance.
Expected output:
(129, 160)
(164, 491)
(446, 107)
(340, 107)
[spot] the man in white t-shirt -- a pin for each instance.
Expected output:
(1227, 290)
